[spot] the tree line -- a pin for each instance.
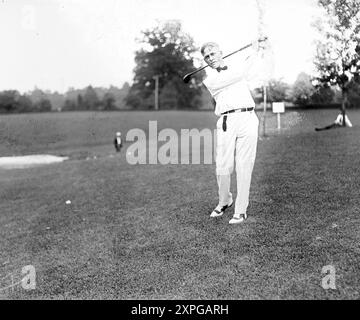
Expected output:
(302, 92)
(89, 98)
(166, 53)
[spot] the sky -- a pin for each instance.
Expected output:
(58, 44)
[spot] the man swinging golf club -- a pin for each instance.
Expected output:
(237, 127)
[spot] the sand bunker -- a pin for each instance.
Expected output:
(28, 161)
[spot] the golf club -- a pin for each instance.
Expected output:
(188, 76)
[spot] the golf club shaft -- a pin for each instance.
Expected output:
(186, 78)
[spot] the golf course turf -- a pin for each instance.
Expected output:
(144, 231)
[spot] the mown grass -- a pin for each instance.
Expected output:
(144, 232)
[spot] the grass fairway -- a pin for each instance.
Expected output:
(144, 232)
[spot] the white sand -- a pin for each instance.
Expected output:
(28, 161)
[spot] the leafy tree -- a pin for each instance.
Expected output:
(169, 96)
(134, 100)
(24, 104)
(56, 99)
(72, 94)
(337, 57)
(36, 95)
(8, 100)
(354, 92)
(13, 101)
(80, 102)
(91, 100)
(120, 94)
(44, 105)
(166, 52)
(302, 89)
(277, 90)
(322, 95)
(108, 101)
(69, 105)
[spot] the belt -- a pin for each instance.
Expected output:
(238, 110)
(232, 111)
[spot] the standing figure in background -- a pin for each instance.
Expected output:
(118, 142)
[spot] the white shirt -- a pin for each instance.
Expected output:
(231, 88)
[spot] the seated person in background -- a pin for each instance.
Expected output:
(337, 123)
(118, 142)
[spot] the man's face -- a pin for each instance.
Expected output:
(213, 57)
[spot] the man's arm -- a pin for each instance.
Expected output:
(261, 68)
(236, 72)
(232, 76)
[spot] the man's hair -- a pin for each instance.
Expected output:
(208, 45)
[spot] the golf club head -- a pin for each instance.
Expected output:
(187, 78)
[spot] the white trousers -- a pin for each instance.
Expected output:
(239, 143)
